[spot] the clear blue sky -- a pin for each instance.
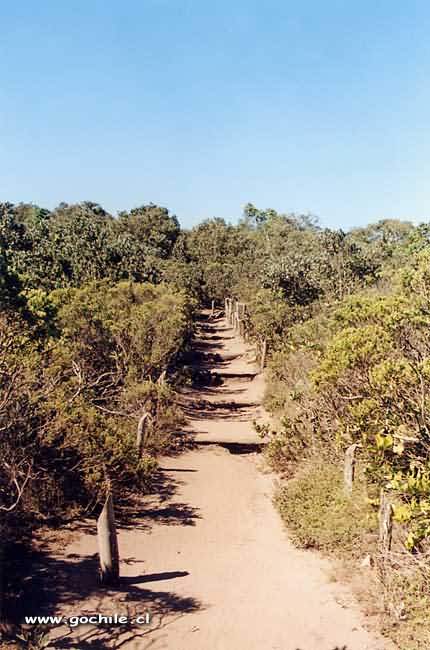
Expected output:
(310, 106)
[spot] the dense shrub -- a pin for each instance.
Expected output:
(357, 370)
(320, 515)
(81, 357)
(75, 379)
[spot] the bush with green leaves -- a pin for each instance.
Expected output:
(319, 514)
(79, 243)
(76, 378)
(367, 380)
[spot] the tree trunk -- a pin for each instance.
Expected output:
(108, 544)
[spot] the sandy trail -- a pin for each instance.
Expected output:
(211, 560)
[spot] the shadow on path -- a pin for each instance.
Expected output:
(57, 582)
(235, 448)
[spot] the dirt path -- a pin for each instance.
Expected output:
(211, 560)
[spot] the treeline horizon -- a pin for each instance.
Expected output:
(233, 219)
(77, 243)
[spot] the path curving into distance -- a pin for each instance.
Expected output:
(210, 559)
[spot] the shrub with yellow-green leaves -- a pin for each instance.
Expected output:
(76, 377)
(367, 380)
(375, 379)
(78, 369)
(319, 514)
(359, 372)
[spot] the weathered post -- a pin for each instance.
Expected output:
(239, 326)
(141, 430)
(108, 544)
(245, 323)
(385, 522)
(213, 307)
(349, 468)
(263, 354)
(228, 310)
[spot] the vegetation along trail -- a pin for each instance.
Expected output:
(216, 569)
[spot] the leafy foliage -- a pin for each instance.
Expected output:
(320, 515)
(77, 395)
(369, 383)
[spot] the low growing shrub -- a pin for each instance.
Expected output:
(320, 515)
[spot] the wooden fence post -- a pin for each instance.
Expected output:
(235, 313)
(245, 331)
(263, 355)
(236, 316)
(385, 522)
(141, 430)
(349, 468)
(213, 307)
(240, 325)
(108, 544)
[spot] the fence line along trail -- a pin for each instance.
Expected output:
(210, 558)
